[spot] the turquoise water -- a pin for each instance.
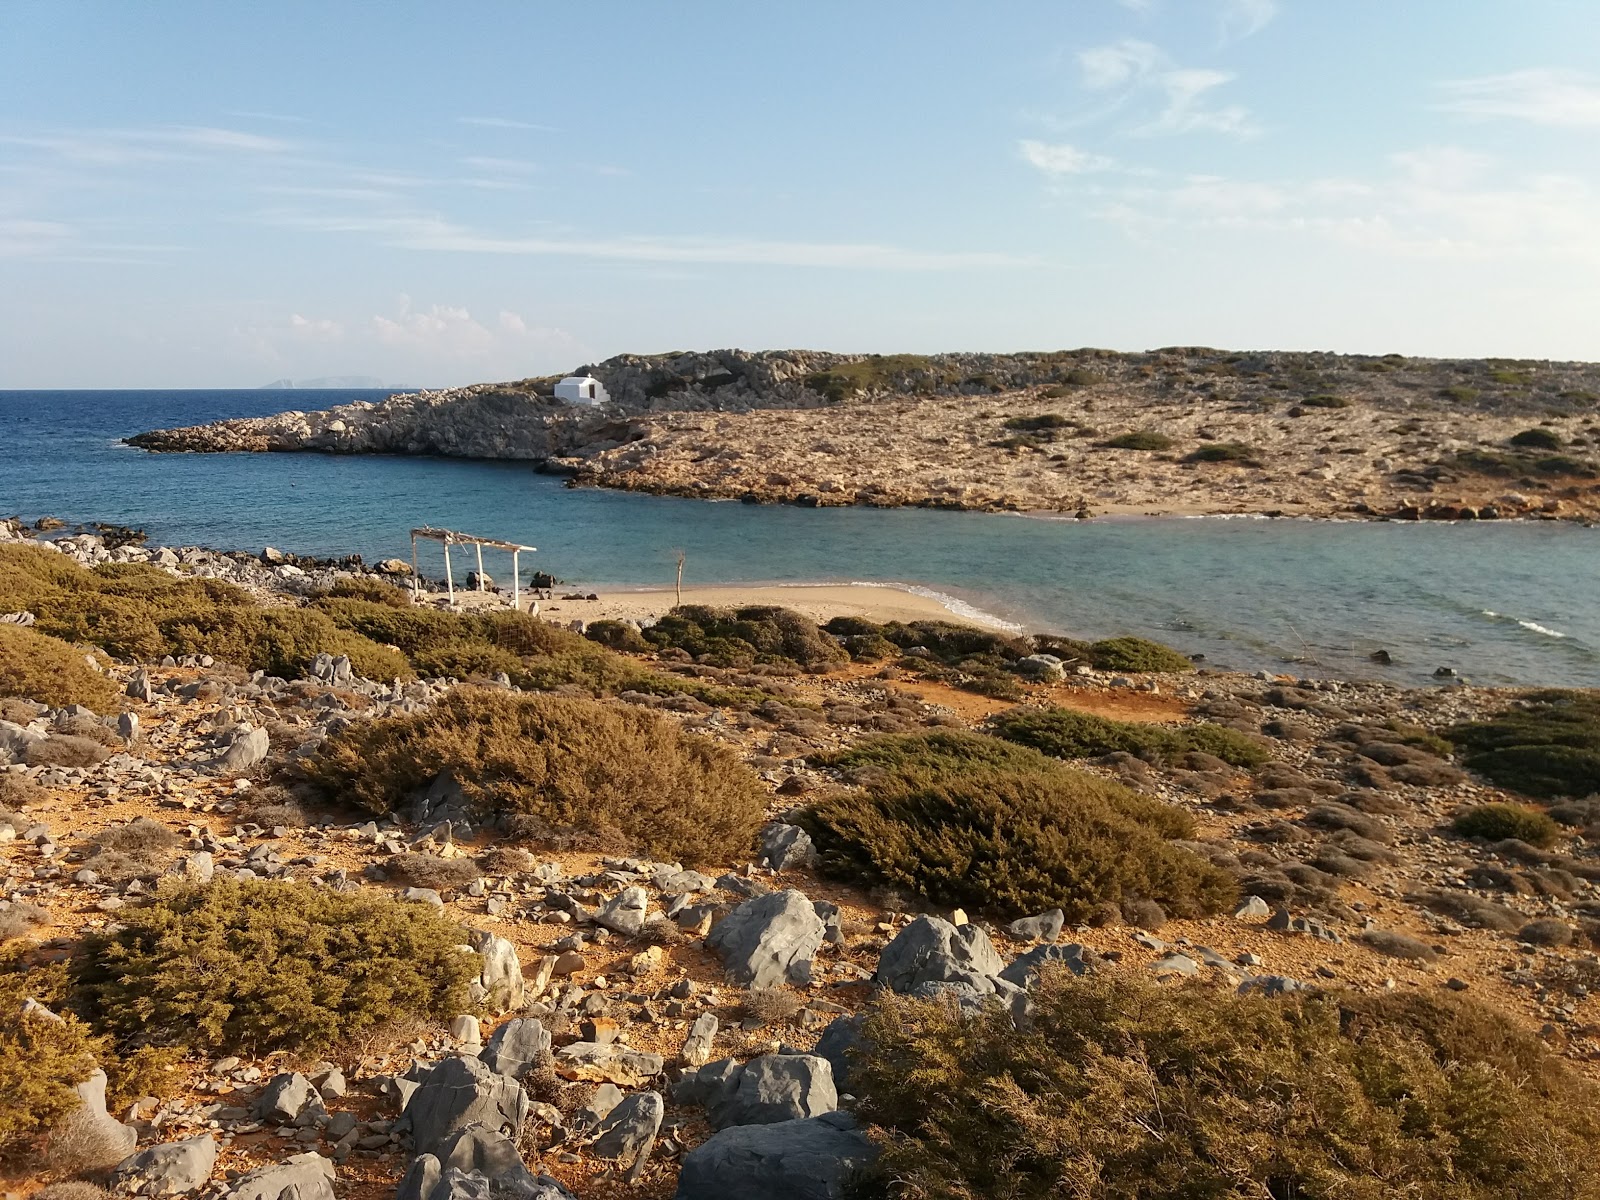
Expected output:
(1501, 603)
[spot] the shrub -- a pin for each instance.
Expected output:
(36, 667)
(61, 750)
(1014, 842)
(1547, 747)
(424, 870)
(925, 757)
(745, 636)
(1495, 822)
(1546, 932)
(1326, 400)
(1068, 733)
(18, 918)
(375, 591)
(1139, 439)
(1044, 421)
(772, 1005)
(947, 641)
(616, 635)
(1398, 945)
(40, 1058)
(1120, 1089)
(254, 965)
(1225, 452)
(616, 772)
(1134, 654)
(1537, 439)
(137, 850)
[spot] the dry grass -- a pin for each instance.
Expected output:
(65, 750)
(18, 919)
(82, 1143)
(423, 870)
(773, 1005)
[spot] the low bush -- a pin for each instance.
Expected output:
(1546, 932)
(1013, 842)
(423, 870)
(1326, 400)
(1398, 945)
(138, 850)
(1139, 439)
(1538, 439)
(19, 918)
(1068, 733)
(257, 965)
(1548, 746)
(1121, 1089)
(925, 757)
(618, 774)
(1134, 655)
(1037, 424)
(1495, 822)
(616, 635)
(34, 666)
(60, 750)
(745, 636)
(41, 1057)
(1225, 452)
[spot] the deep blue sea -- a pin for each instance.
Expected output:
(1501, 603)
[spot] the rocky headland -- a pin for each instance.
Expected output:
(1176, 431)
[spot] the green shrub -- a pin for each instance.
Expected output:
(1120, 1089)
(1326, 400)
(1134, 654)
(1496, 822)
(1068, 733)
(1139, 439)
(375, 591)
(259, 965)
(1460, 393)
(1225, 452)
(1015, 841)
(745, 636)
(1547, 747)
(1045, 421)
(936, 754)
(616, 635)
(948, 642)
(620, 775)
(36, 667)
(1538, 439)
(40, 1059)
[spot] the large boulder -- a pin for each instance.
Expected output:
(785, 846)
(835, 1044)
(428, 1179)
(170, 1169)
(812, 1159)
(460, 1092)
(769, 940)
(607, 1062)
(1024, 971)
(774, 1087)
(248, 747)
(628, 1132)
(627, 913)
(930, 950)
(304, 1177)
(517, 1046)
(289, 1099)
(499, 985)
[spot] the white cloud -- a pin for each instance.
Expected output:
(1138, 70)
(124, 147)
(1245, 18)
(1541, 95)
(1061, 159)
(1184, 112)
(444, 331)
(33, 239)
(516, 166)
(318, 330)
(503, 123)
(1119, 64)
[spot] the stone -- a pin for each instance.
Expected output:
(128, 726)
(773, 1087)
(461, 1092)
(248, 747)
(1252, 908)
(933, 950)
(198, 867)
(286, 1098)
(697, 1046)
(842, 1035)
(1046, 927)
(517, 1046)
(140, 687)
(809, 1159)
(1024, 970)
(769, 940)
(1270, 985)
(465, 1030)
(487, 1152)
(595, 1063)
(786, 846)
(100, 1127)
(170, 1169)
(629, 1132)
(1041, 668)
(627, 913)
(1175, 964)
(499, 985)
(304, 1177)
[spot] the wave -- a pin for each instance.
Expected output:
(1532, 626)
(954, 604)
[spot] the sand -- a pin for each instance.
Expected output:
(820, 603)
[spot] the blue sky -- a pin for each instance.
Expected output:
(214, 195)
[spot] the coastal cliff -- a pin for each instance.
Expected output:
(1182, 430)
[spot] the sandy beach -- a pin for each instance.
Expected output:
(820, 603)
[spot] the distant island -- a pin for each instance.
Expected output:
(326, 382)
(1179, 431)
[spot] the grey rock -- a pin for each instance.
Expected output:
(933, 950)
(170, 1169)
(477, 1148)
(1252, 907)
(1043, 668)
(304, 1177)
(811, 1159)
(1046, 927)
(786, 846)
(465, 1030)
(1024, 971)
(461, 1092)
(769, 940)
(627, 913)
(140, 687)
(248, 747)
(423, 896)
(841, 1036)
(697, 1046)
(517, 1046)
(1176, 964)
(128, 726)
(1270, 985)
(774, 1087)
(117, 1139)
(609, 1063)
(287, 1098)
(15, 740)
(629, 1132)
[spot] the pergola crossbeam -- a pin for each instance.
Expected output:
(454, 537)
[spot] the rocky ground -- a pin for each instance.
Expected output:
(630, 977)
(1297, 434)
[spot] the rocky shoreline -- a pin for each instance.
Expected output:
(1175, 432)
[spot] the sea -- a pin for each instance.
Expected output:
(1498, 603)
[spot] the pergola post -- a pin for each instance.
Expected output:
(516, 582)
(449, 538)
(416, 580)
(479, 548)
(449, 579)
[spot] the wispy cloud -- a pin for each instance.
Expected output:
(122, 147)
(516, 166)
(1246, 18)
(21, 238)
(1541, 95)
(505, 123)
(1135, 70)
(451, 331)
(1058, 158)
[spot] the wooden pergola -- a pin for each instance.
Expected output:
(451, 537)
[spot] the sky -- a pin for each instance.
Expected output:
(219, 195)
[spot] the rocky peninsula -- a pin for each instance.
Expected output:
(1179, 431)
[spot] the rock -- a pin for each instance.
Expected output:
(465, 1030)
(128, 726)
(629, 1132)
(697, 1046)
(1046, 927)
(841, 1036)
(287, 1098)
(461, 1092)
(1253, 907)
(786, 846)
(594, 1063)
(487, 1152)
(774, 1087)
(769, 940)
(15, 740)
(1270, 985)
(516, 1047)
(99, 1127)
(170, 1169)
(303, 1177)
(932, 950)
(1176, 964)
(811, 1159)
(140, 687)
(198, 867)
(1041, 668)
(1024, 971)
(248, 747)
(627, 913)
(425, 896)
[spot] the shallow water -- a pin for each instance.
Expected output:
(1502, 603)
